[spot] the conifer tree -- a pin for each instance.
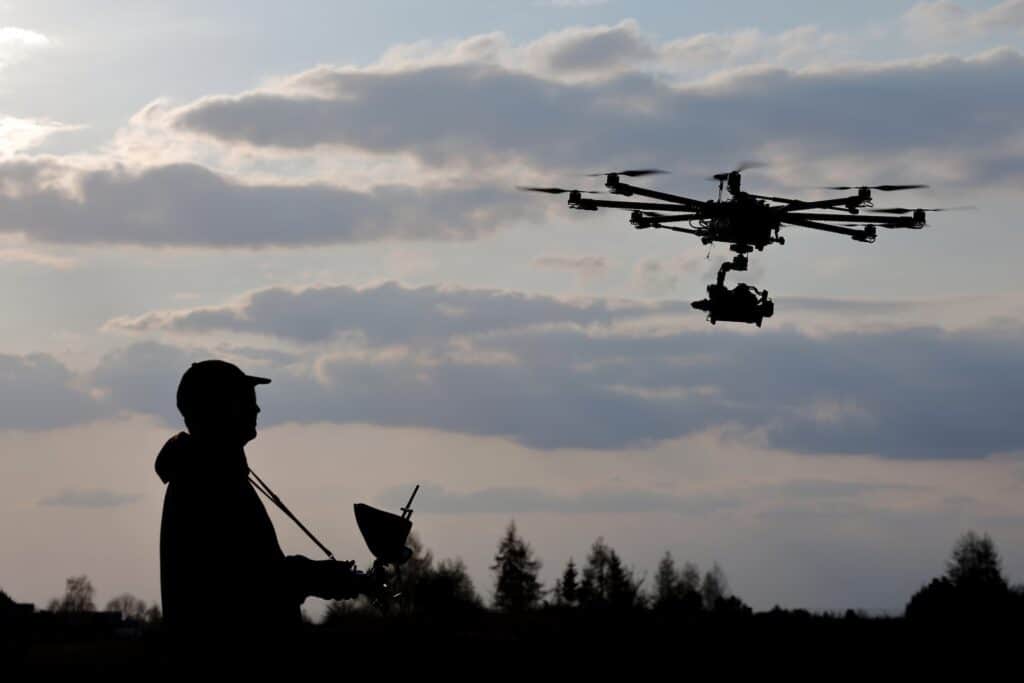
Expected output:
(667, 582)
(606, 582)
(516, 586)
(975, 562)
(566, 591)
(714, 588)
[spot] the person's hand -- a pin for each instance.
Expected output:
(334, 580)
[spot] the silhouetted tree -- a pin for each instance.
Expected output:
(714, 588)
(676, 591)
(976, 563)
(449, 588)
(689, 578)
(566, 592)
(606, 583)
(666, 581)
(129, 606)
(932, 602)
(973, 589)
(153, 614)
(516, 586)
(443, 588)
(78, 595)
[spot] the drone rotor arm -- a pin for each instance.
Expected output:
(673, 218)
(675, 228)
(884, 221)
(689, 203)
(834, 203)
(781, 200)
(640, 206)
(815, 225)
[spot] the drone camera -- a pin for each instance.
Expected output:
(639, 221)
(918, 218)
(864, 194)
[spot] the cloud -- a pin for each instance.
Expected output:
(917, 393)
(16, 43)
(17, 135)
(587, 267)
(710, 51)
(555, 374)
(89, 498)
(961, 113)
(590, 50)
(389, 313)
(36, 258)
(38, 392)
(47, 199)
(948, 20)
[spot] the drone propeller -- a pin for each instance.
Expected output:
(632, 173)
(556, 190)
(744, 165)
(946, 208)
(883, 188)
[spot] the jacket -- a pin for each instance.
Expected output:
(221, 566)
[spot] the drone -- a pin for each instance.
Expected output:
(746, 222)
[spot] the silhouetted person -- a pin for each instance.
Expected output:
(223, 576)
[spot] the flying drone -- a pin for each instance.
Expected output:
(745, 222)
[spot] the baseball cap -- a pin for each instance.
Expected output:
(211, 378)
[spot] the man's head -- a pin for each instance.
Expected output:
(218, 401)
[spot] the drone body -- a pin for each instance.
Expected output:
(746, 222)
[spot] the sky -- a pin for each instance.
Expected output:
(324, 193)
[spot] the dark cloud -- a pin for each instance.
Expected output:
(143, 378)
(187, 204)
(965, 109)
(550, 374)
(38, 392)
(391, 314)
(89, 498)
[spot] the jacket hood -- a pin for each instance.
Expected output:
(172, 456)
(185, 457)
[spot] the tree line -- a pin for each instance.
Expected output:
(973, 586)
